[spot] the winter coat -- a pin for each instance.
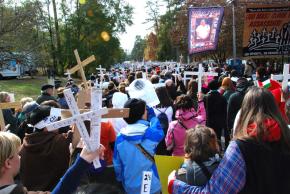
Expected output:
(129, 162)
(44, 159)
(176, 132)
(216, 112)
(45, 97)
(9, 118)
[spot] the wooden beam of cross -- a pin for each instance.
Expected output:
(91, 141)
(15, 105)
(80, 66)
(285, 77)
(200, 74)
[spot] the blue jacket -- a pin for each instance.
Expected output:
(71, 179)
(129, 161)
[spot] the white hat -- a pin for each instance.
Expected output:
(143, 89)
(119, 99)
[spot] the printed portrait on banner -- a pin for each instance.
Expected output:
(204, 27)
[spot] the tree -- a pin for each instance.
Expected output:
(137, 53)
(92, 28)
(152, 10)
(57, 34)
(150, 52)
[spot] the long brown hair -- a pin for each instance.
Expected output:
(258, 105)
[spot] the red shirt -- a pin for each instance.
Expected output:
(108, 136)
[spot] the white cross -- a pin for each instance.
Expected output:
(285, 77)
(92, 142)
(180, 58)
(101, 73)
(200, 74)
(146, 68)
(68, 74)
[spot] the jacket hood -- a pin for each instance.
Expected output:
(135, 129)
(186, 114)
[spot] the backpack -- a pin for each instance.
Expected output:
(162, 117)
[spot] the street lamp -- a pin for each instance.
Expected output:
(233, 2)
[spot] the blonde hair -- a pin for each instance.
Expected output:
(24, 100)
(9, 145)
(3, 96)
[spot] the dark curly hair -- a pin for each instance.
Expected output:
(184, 102)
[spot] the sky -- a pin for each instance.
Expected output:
(138, 28)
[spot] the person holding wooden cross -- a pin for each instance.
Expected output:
(44, 155)
(8, 115)
(10, 164)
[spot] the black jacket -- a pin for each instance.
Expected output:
(45, 97)
(216, 111)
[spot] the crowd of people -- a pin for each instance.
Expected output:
(233, 135)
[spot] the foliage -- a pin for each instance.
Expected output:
(137, 53)
(91, 28)
(150, 52)
(173, 29)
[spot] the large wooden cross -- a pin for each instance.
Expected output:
(200, 75)
(285, 77)
(9, 105)
(80, 66)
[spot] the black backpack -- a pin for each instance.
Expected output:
(163, 120)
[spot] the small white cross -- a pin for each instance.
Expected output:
(285, 77)
(68, 74)
(101, 73)
(200, 74)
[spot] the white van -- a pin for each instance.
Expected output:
(11, 69)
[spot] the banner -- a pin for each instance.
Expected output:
(267, 30)
(204, 27)
(165, 165)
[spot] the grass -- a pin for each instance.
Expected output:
(25, 87)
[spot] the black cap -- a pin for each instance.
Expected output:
(46, 86)
(38, 114)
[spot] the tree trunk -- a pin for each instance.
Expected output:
(58, 46)
(51, 37)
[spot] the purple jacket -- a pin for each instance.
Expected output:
(176, 132)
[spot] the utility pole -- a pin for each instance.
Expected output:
(233, 3)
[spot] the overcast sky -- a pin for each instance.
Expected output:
(138, 28)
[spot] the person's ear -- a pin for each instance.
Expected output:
(7, 164)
